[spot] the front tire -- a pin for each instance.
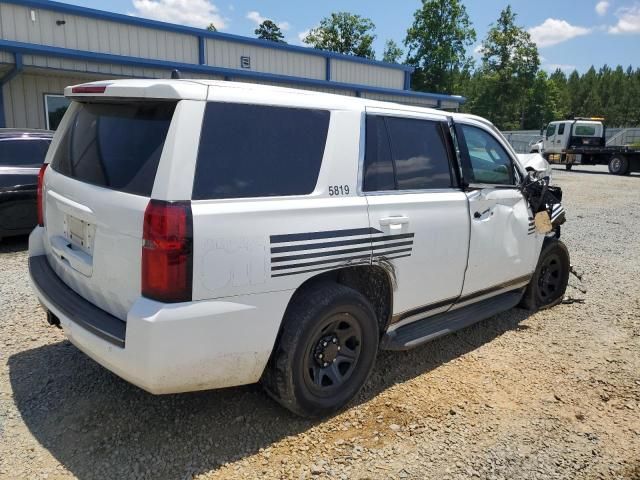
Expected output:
(619, 165)
(549, 281)
(568, 166)
(326, 350)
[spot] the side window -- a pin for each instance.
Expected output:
(405, 154)
(490, 162)
(378, 168)
(561, 129)
(23, 152)
(259, 151)
(419, 154)
(551, 129)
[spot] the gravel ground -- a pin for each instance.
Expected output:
(545, 396)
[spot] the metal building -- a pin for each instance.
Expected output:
(46, 45)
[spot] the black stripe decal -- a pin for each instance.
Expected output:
(297, 237)
(495, 288)
(455, 300)
(334, 260)
(424, 309)
(341, 243)
(304, 256)
(319, 262)
(333, 267)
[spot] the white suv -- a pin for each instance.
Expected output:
(203, 234)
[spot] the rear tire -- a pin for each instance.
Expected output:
(326, 350)
(619, 165)
(549, 281)
(568, 166)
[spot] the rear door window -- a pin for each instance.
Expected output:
(117, 146)
(405, 154)
(378, 168)
(23, 152)
(259, 151)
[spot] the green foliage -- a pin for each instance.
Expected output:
(268, 30)
(437, 45)
(509, 74)
(212, 28)
(344, 32)
(392, 52)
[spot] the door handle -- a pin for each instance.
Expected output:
(394, 223)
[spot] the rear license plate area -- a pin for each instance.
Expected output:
(79, 233)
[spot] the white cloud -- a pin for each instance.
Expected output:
(628, 20)
(255, 17)
(553, 31)
(302, 35)
(552, 67)
(195, 13)
(602, 7)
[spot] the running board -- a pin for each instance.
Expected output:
(430, 328)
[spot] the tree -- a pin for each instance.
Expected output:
(344, 32)
(268, 30)
(437, 45)
(392, 52)
(212, 28)
(510, 60)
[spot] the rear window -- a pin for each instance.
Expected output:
(259, 151)
(117, 146)
(23, 152)
(585, 131)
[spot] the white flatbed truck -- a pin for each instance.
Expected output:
(582, 141)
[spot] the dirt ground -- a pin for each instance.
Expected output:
(549, 395)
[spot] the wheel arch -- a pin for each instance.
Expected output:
(375, 282)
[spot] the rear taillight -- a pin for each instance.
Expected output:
(167, 251)
(39, 191)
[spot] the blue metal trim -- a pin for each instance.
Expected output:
(10, 75)
(201, 51)
(34, 49)
(17, 68)
(327, 69)
(407, 80)
(143, 22)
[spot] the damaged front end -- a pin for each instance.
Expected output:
(545, 202)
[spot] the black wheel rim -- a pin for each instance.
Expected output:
(550, 279)
(332, 354)
(616, 164)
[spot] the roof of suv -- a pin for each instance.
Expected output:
(198, 89)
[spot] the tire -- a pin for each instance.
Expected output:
(325, 352)
(549, 281)
(619, 165)
(568, 166)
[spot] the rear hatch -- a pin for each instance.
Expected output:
(97, 187)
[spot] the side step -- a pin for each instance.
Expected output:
(430, 328)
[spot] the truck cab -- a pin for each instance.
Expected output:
(565, 134)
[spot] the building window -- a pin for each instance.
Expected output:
(245, 62)
(54, 107)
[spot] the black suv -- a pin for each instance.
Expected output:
(22, 153)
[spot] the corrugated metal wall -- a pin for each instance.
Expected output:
(366, 74)
(83, 33)
(24, 98)
(221, 53)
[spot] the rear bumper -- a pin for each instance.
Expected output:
(166, 348)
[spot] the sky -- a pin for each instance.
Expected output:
(571, 34)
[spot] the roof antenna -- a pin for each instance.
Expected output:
(175, 74)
